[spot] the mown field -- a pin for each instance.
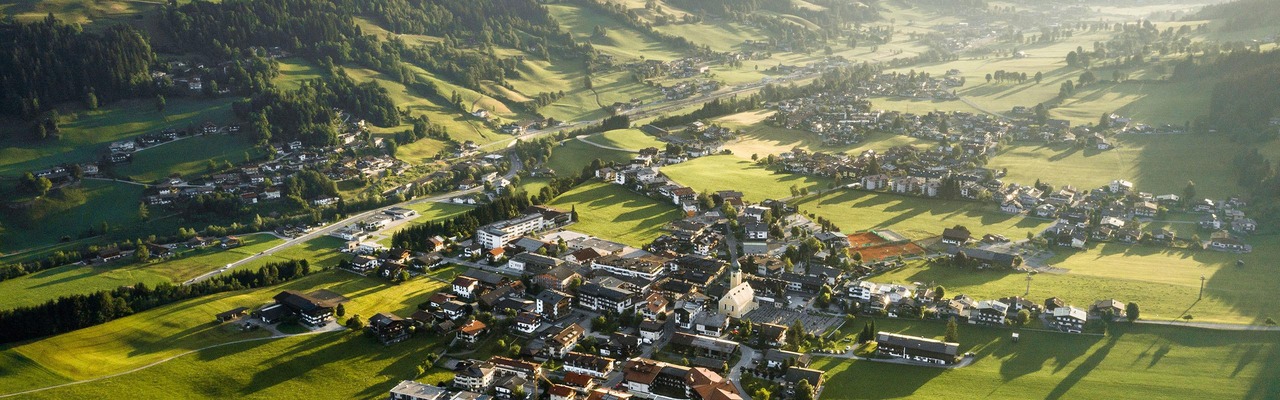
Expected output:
(73, 212)
(1150, 362)
(172, 330)
(188, 157)
(632, 139)
(761, 139)
(571, 156)
(730, 172)
(78, 279)
(614, 213)
(1154, 163)
(914, 217)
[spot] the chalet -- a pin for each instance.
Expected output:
(796, 374)
(562, 392)
(989, 312)
(655, 306)
(1244, 225)
(1012, 207)
(651, 331)
(527, 322)
(775, 358)
(1228, 243)
(476, 377)
(588, 364)
(231, 314)
(466, 287)
(772, 335)
(756, 231)
(363, 263)
(916, 348)
(389, 328)
(986, 258)
(454, 310)
(522, 369)
(958, 236)
(472, 331)
(552, 304)
(109, 254)
(561, 342)
(1069, 319)
(621, 345)
(308, 307)
(1111, 307)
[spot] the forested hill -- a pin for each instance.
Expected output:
(1242, 15)
(49, 62)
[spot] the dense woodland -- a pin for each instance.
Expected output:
(49, 62)
(1242, 14)
(307, 114)
(69, 313)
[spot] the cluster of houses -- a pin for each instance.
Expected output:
(910, 300)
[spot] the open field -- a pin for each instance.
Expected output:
(294, 71)
(762, 139)
(914, 217)
(187, 157)
(75, 11)
(73, 212)
(1133, 362)
(1155, 104)
(73, 279)
(729, 172)
(1154, 163)
(427, 212)
(620, 41)
(571, 156)
(633, 139)
(461, 126)
(86, 134)
(321, 252)
(156, 334)
(614, 213)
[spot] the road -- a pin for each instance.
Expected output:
(516, 166)
(735, 372)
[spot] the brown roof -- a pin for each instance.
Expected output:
(472, 328)
(561, 390)
(711, 386)
(576, 379)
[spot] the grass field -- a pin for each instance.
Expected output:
(72, 213)
(188, 157)
(761, 139)
(49, 284)
(915, 217)
(633, 139)
(1154, 163)
(75, 11)
(1154, 104)
(730, 172)
(614, 213)
(569, 157)
(86, 134)
(166, 331)
(295, 70)
(1133, 362)
(620, 41)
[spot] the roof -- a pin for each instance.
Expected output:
(576, 379)
(473, 328)
(588, 361)
(703, 342)
(956, 233)
(918, 343)
(301, 302)
(417, 390)
(231, 313)
(795, 374)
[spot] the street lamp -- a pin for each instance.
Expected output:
(1028, 293)
(1201, 288)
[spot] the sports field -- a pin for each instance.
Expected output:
(1151, 362)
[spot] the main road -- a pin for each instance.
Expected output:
(516, 166)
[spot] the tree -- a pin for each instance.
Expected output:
(1039, 77)
(91, 101)
(143, 213)
(1189, 192)
(355, 323)
(988, 78)
(1131, 311)
(804, 390)
(404, 276)
(952, 335)
(43, 185)
(160, 102)
(1023, 317)
(761, 394)
(141, 254)
(340, 311)
(939, 293)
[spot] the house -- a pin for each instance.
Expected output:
(1111, 307)
(454, 310)
(564, 340)
(1227, 243)
(756, 231)
(957, 236)
(596, 297)
(916, 348)
(477, 377)
(621, 345)
(231, 314)
(410, 390)
(651, 331)
(1069, 319)
(588, 364)
(363, 263)
(990, 312)
(1120, 186)
(796, 374)
(310, 309)
(472, 331)
(562, 392)
(772, 335)
(552, 304)
(1012, 207)
(527, 322)
(389, 328)
(466, 287)
(711, 324)
(522, 369)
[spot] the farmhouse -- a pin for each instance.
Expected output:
(1069, 319)
(308, 307)
(389, 328)
(957, 236)
(916, 348)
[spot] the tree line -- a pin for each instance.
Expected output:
(307, 114)
(505, 207)
(69, 313)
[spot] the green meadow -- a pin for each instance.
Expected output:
(614, 213)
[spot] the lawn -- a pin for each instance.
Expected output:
(321, 252)
(71, 212)
(1132, 362)
(633, 139)
(571, 156)
(914, 217)
(611, 212)
(729, 172)
(86, 134)
(761, 139)
(171, 330)
(1154, 163)
(81, 279)
(187, 157)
